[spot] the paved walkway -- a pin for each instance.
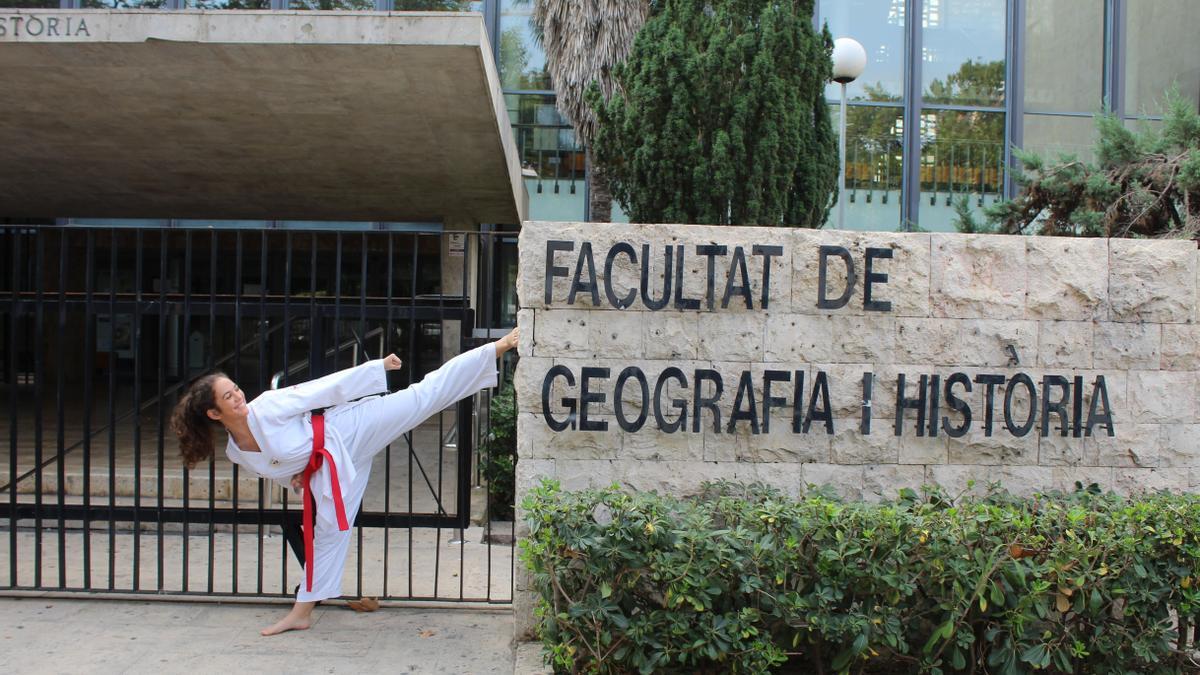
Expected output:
(54, 635)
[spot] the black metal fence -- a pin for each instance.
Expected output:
(102, 328)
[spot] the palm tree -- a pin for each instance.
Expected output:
(583, 41)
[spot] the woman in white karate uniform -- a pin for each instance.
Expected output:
(273, 436)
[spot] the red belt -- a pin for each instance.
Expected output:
(319, 454)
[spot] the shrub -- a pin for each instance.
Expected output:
(743, 579)
(499, 458)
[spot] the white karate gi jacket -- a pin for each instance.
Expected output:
(281, 422)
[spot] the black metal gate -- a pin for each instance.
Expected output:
(102, 328)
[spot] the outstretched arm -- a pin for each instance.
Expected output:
(334, 389)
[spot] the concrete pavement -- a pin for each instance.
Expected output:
(40, 634)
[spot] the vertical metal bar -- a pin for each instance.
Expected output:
(911, 160)
(38, 346)
(337, 302)
(1114, 57)
(362, 332)
(14, 236)
(61, 408)
(287, 338)
(112, 411)
(210, 361)
(387, 464)
(89, 342)
(237, 376)
(185, 370)
(486, 295)
(412, 336)
(262, 384)
(137, 408)
(163, 350)
(1014, 93)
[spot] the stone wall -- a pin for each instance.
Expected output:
(1124, 311)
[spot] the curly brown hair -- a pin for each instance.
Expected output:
(191, 423)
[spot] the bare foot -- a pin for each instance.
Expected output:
(293, 621)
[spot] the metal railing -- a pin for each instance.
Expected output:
(101, 330)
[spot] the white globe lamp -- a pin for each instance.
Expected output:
(849, 61)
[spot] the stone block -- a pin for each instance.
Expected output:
(999, 448)
(851, 446)
(845, 387)
(617, 335)
(1065, 344)
(679, 478)
(977, 276)
(528, 658)
(654, 445)
(862, 339)
(907, 286)
(798, 338)
(674, 335)
(927, 342)
(1162, 397)
(1019, 480)
(998, 343)
(1058, 450)
(1127, 346)
(884, 481)
(1067, 278)
(847, 481)
(1131, 445)
(922, 449)
(524, 623)
(1138, 481)
(1071, 478)
(732, 337)
(584, 474)
(1180, 346)
(1180, 446)
(564, 332)
(785, 477)
(530, 373)
(576, 444)
(527, 320)
(779, 445)
(1152, 280)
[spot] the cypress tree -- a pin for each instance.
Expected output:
(719, 116)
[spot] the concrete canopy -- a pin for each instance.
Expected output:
(254, 115)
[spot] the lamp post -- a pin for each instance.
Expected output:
(849, 60)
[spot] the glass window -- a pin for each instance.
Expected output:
(879, 26)
(438, 6)
(227, 4)
(1053, 135)
(963, 52)
(522, 62)
(1064, 55)
(551, 158)
(874, 154)
(348, 5)
(962, 156)
(1161, 49)
(123, 4)
(30, 4)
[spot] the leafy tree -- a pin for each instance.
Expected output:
(1144, 183)
(583, 41)
(719, 116)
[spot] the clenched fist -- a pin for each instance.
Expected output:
(392, 362)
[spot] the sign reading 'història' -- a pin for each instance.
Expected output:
(663, 356)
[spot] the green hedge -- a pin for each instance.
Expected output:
(744, 579)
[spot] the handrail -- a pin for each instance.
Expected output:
(298, 366)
